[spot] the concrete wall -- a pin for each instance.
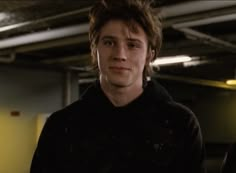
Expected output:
(214, 107)
(35, 93)
(30, 93)
(216, 112)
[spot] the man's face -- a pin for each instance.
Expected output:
(122, 54)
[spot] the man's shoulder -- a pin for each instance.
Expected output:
(166, 106)
(179, 114)
(76, 108)
(179, 108)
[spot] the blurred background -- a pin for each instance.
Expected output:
(45, 65)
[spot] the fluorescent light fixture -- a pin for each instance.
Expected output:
(195, 63)
(171, 60)
(231, 82)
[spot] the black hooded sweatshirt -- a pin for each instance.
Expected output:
(152, 134)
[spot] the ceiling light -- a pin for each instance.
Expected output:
(195, 62)
(231, 82)
(171, 60)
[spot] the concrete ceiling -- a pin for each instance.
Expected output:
(54, 34)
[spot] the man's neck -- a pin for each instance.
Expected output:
(121, 96)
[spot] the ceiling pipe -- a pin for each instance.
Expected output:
(44, 36)
(193, 7)
(205, 38)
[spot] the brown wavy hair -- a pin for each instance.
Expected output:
(131, 12)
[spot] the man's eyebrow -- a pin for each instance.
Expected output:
(128, 39)
(134, 40)
(108, 37)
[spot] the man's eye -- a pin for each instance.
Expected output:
(108, 43)
(133, 45)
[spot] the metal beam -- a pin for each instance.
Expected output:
(44, 36)
(53, 43)
(206, 21)
(208, 39)
(187, 8)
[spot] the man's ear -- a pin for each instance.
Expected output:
(150, 56)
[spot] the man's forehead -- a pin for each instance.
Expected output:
(114, 27)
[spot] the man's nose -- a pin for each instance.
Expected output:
(119, 53)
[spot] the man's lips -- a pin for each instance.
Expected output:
(119, 68)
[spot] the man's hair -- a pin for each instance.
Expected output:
(131, 12)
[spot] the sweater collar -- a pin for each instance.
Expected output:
(153, 93)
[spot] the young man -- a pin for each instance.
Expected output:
(123, 123)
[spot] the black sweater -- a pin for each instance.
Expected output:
(151, 134)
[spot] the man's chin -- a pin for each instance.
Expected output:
(120, 83)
